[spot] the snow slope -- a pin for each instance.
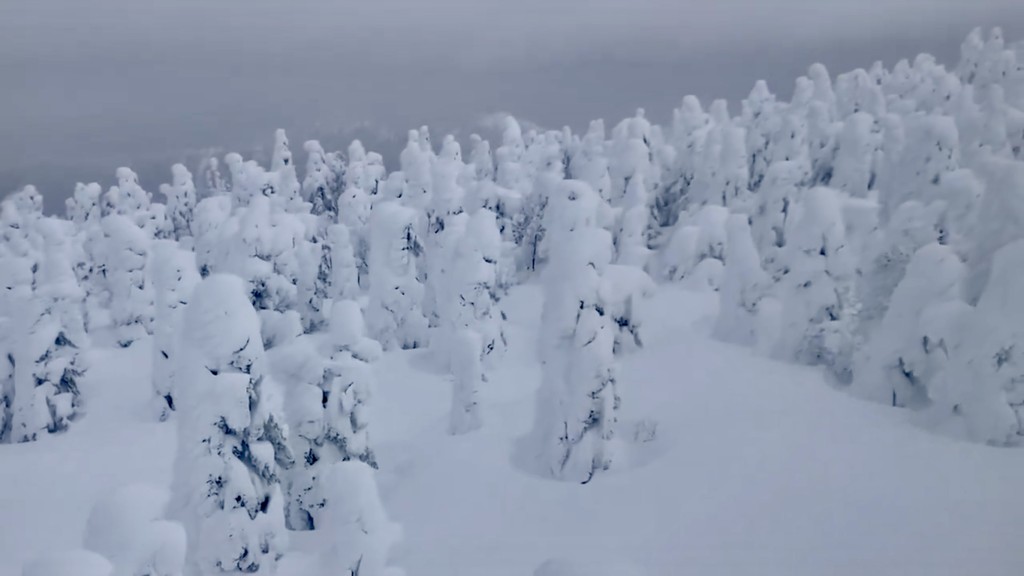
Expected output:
(757, 468)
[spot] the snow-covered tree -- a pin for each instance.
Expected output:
(328, 408)
(130, 200)
(232, 441)
(267, 246)
(690, 126)
(631, 239)
(853, 168)
(394, 313)
(762, 121)
(320, 184)
(471, 331)
(744, 284)
(577, 403)
(888, 251)
(211, 214)
(125, 254)
(357, 534)
(900, 361)
(211, 180)
(445, 221)
(48, 364)
(590, 162)
(778, 195)
(83, 210)
(695, 240)
(467, 377)
(84, 205)
(999, 220)
(819, 305)
(174, 277)
(181, 201)
(344, 269)
(979, 394)
(623, 288)
(473, 290)
(415, 161)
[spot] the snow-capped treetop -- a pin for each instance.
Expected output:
(416, 168)
(320, 183)
(282, 155)
(84, 205)
(181, 201)
(26, 202)
(221, 325)
(480, 158)
(822, 87)
(857, 92)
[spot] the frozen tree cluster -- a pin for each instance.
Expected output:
(871, 226)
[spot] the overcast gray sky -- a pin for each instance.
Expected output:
(88, 85)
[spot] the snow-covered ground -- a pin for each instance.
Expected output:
(756, 467)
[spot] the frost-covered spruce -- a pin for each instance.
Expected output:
(328, 409)
(415, 161)
(174, 277)
(84, 205)
(780, 191)
(8, 348)
(20, 243)
(467, 377)
(335, 275)
(211, 214)
(130, 200)
(762, 121)
(631, 239)
(320, 185)
(394, 313)
(629, 157)
(356, 533)
(473, 291)
(573, 431)
(696, 248)
(999, 220)
(343, 283)
(125, 254)
(900, 361)
(590, 162)
(888, 251)
(690, 126)
(979, 394)
(473, 332)
(48, 364)
(442, 232)
(181, 201)
(267, 246)
(744, 284)
(232, 443)
(87, 250)
(622, 290)
(819, 309)
(354, 205)
(853, 168)
(722, 175)
(924, 148)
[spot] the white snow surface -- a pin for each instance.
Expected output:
(755, 467)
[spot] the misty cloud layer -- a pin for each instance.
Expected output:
(87, 85)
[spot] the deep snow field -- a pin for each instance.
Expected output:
(756, 467)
